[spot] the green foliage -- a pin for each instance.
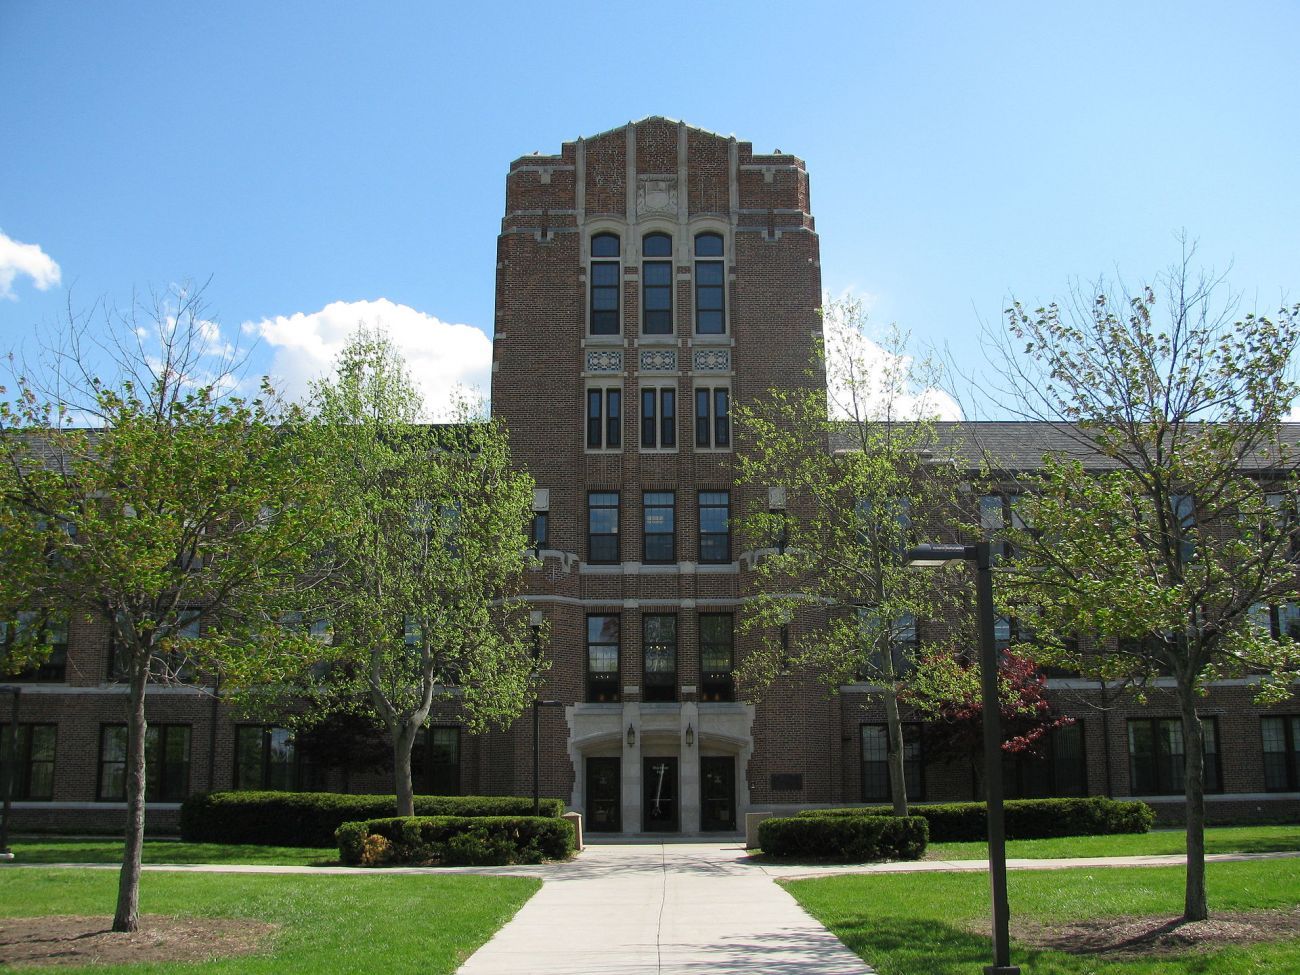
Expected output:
(848, 838)
(456, 840)
(861, 481)
(310, 818)
(1025, 818)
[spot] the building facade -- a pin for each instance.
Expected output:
(649, 278)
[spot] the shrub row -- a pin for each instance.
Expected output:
(854, 838)
(455, 840)
(310, 818)
(1026, 819)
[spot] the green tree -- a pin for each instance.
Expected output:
(432, 551)
(855, 459)
(1171, 519)
(177, 505)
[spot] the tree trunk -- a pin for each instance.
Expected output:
(127, 917)
(894, 730)
(1194, 908)
(403, 739)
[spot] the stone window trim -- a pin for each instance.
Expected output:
(658, 279)
(604, 298)
(711, 416)
(603, 415)
(658, 414)
(709, 287)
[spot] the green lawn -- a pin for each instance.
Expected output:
(1218, 839)
(916, 924)
(336, 924)
(57, 850)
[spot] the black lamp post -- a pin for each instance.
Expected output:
(11, 774)
(937, 555)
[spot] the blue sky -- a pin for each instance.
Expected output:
(324, 162)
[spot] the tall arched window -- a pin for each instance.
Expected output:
(657, 284)
(710, 285)
(605, 283)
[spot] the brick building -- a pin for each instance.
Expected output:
(647, 278)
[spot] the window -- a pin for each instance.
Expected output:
(717, 657)
(1281, 752)
(1058, 770)
(166, 762)
(602, 659)
(710, 285)
(35, 769)
(875, 762)
(604, 419)
(658, 418)
(715, 527)
(1157, 759)
(1280, 621)
(435, 761)
(659, 535)
(659, 647)
(606, 282)
(267, 757)
(539, 530)
(904, 643)
(319, 628)
(602, 527)
(38, 627)
(1285, 520)
(1184, 526)
(713, 417)
(997, 511)
(657, 285)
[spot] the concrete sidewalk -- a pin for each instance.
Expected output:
(664, 909)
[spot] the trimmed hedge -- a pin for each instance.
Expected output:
(854, 838)
(455, 840)
(310, 818)
(1027, 819)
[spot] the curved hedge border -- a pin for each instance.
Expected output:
(310, 818)
(453, 840)
(1027, 819)
(854, 838)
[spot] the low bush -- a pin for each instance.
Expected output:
(310, 818)
(1027, 819)
(455, 840)
(856, 838)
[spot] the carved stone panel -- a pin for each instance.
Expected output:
(604, 360)
(656, 194)
(658, 360)
(712, 360)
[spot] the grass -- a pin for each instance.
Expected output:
(59, 850)
(922, 923)
(337, 924)
(1218, 839)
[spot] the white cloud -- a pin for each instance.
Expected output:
(441, 356)
(18, 258)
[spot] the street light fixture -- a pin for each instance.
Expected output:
(933, 556)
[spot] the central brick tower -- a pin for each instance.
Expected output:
(649, 279)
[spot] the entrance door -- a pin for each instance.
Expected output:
(604, 795)
(718, 794)
(659, 812)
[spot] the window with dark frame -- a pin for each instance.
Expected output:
(715, 527)
(875, 763)
(34, 775)
(659, 527)
(1157, 758)
(717, 657)
(41, 627)
(602, 659)
(602, 527)
(435, 761)
(606, 283)
(713, 417)
(1056, 770)
(710, 285)
(604, 418)
(904, 643)
(658, 418)
(539, 530)
(659, 651)
(656, 285)
(166, 762)
(1281, 739)
(268, 758)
